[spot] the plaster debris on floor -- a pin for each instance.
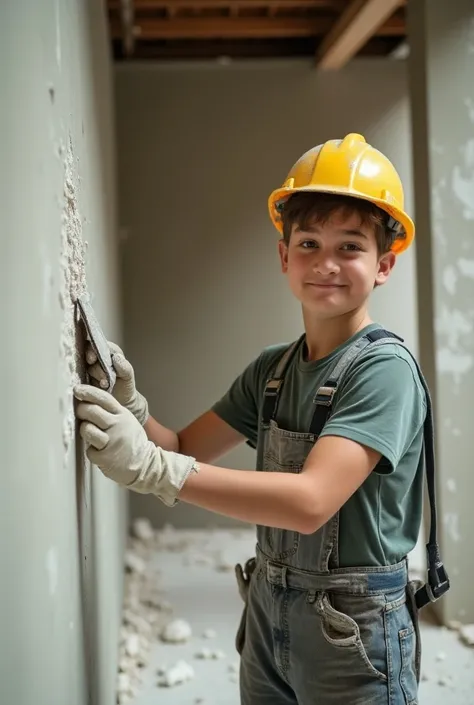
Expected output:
(182, 609)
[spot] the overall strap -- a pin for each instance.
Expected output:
(438, 582)
(273, 386)
(325, 394)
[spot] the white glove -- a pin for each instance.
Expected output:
(119, 446)
(124, 390)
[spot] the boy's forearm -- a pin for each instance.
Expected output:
(278, 499)
(161, 436)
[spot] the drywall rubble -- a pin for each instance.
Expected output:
(144, 611)
(147, 615)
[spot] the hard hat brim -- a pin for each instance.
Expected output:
(399, 245)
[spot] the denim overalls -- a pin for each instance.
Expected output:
(313, 633)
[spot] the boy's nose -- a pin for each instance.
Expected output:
(325, 265)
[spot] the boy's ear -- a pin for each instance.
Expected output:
(386, 264)
(283, 252)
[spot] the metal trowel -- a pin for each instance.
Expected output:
(98, 341)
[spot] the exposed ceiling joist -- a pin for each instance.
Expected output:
(127, 26)
(240, 28)
(228, 28)
(357, 24)
(141, 5)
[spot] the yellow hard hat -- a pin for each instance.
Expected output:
(348, 167)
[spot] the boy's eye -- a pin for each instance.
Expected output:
(308, 244)
(352, 247)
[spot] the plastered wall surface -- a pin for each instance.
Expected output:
(200, 149)
(442, 92)
(61, 526)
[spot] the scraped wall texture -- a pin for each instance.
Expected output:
(442, 92)
(61, 526)
(201, 147)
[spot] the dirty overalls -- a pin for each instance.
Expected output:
(313, 633)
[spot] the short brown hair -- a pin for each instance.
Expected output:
(308, 208)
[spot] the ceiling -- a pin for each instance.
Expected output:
(333, 32)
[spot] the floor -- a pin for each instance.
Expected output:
(197, 584)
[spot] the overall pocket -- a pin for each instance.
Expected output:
(354, 627)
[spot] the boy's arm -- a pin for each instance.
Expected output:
(376, 417)
(160, 435)
(299, 502)
(207, 437)
(379, 411)
(118, 445)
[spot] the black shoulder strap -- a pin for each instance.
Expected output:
(273, 386)
(271, 394)
(325, 394)
(438, 582)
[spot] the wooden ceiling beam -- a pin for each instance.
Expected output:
(240, 28)
(241, 48)
(227, 28)
(361, 20)
(173, 5)
(127, 26)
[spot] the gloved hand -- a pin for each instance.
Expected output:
(119, 446)
(124, 390)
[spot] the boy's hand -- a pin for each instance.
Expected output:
(124, 390)
(119, 446)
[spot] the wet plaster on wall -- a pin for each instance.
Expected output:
(73, 284)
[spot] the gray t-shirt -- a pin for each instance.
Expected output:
(381, 403)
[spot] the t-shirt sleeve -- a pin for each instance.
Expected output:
(381, 405)
(239, 407)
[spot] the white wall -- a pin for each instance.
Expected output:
(61, 527)
(200, 149)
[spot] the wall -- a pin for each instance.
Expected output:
(61, 527)
(200, 149)
(442, 94)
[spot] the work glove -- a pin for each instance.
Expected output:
(124, 389)
(119, 446)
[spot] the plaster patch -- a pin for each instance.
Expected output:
(73, 284)
(437, 148)
(52, 571)
(451, 485)
(451, 522)
(462, 182)
(466, 267)
(438, 215)
(453, 325)
(454, 363)
(450, 279)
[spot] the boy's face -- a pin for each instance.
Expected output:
(333, 268)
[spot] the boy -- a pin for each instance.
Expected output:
(338, 420)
